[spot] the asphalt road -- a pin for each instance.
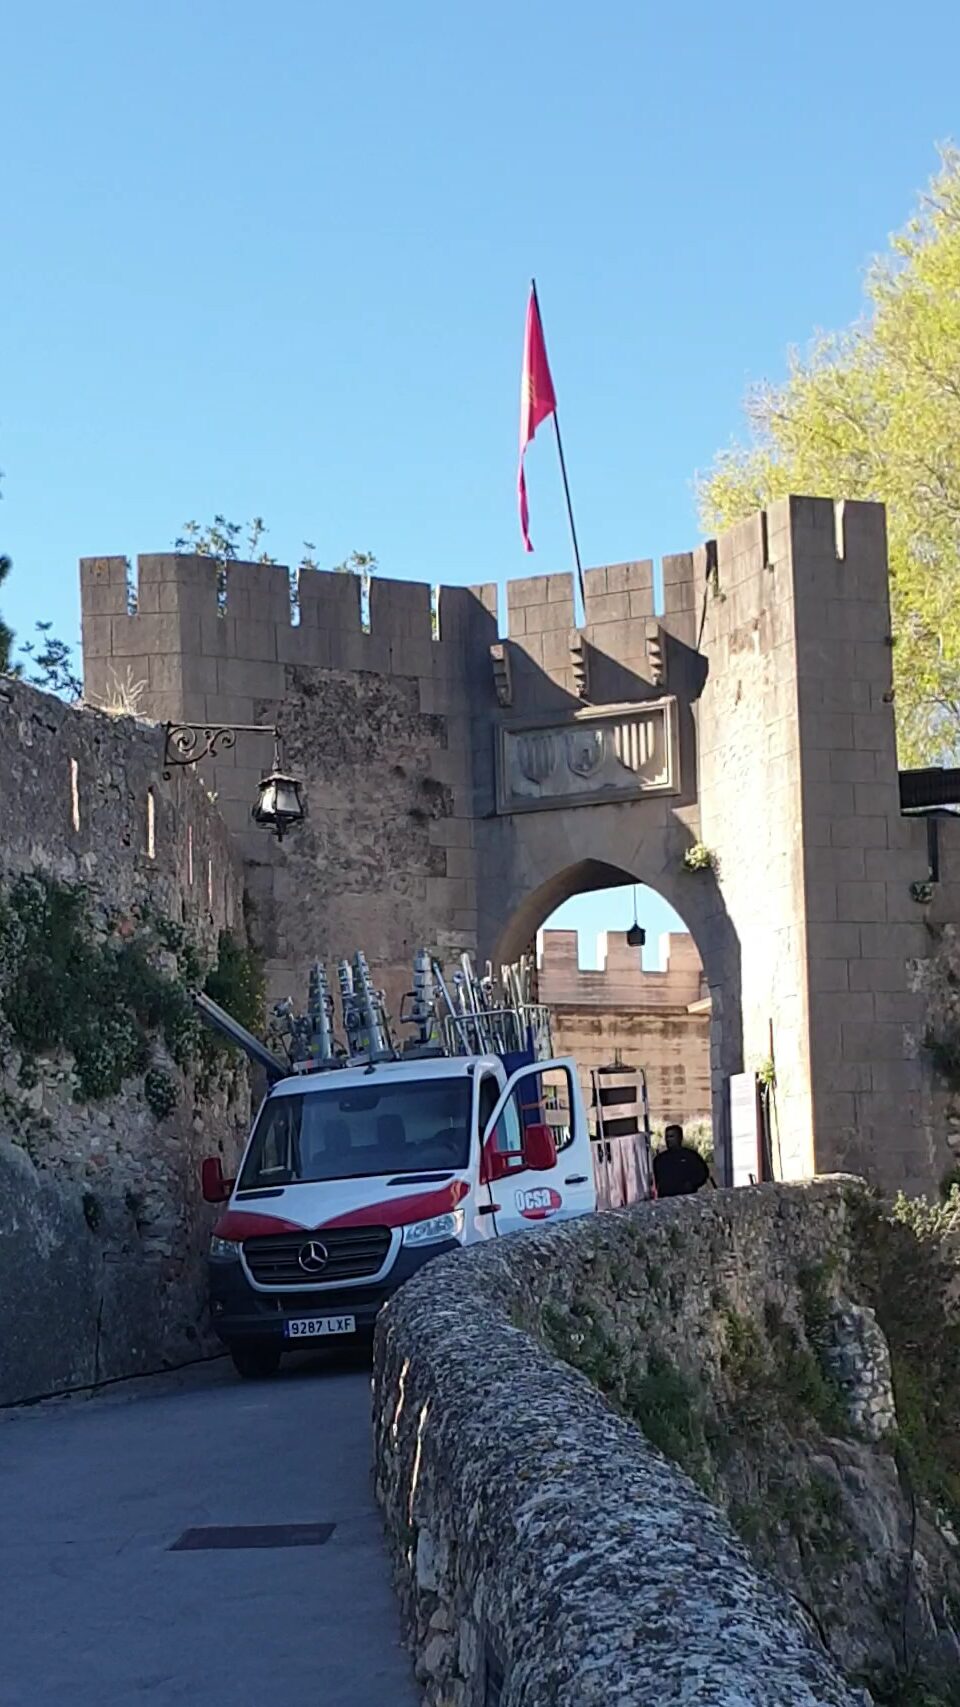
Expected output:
(97, 1611)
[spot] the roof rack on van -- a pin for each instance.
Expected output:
(463, 1014)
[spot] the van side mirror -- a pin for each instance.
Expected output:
(539, 1148)
(215, 1188)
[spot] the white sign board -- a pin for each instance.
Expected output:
(744, 1129)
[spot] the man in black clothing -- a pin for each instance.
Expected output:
(678, 1170)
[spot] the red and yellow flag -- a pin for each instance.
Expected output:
(537, 400)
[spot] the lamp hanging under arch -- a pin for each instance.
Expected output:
(636, 935)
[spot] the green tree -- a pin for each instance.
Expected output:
(874, 413)
(50, 659)
(47, 663)
(6, 634)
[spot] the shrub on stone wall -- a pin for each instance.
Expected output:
(727, 1332)
(908, 1262)
(823, 1422)
(109, 991)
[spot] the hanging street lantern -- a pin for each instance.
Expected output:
(279, 806)
(279, 803)
(636, 935)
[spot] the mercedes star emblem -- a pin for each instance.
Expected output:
(313, 1257)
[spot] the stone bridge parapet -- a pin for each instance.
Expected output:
(545, 1550)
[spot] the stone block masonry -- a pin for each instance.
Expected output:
(101, 1258)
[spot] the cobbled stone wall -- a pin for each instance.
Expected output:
(103, 1228)
(547, 1552)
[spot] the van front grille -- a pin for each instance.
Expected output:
(330, 1254)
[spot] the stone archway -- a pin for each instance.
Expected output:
(548, 881)
(581, 878)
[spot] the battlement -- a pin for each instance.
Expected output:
(194, 632)
(191, 628)
(621, 982)
(173, 583)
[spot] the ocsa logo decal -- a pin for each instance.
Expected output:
(539, 1202)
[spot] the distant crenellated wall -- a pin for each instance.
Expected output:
(659, 1021)
(621, 981)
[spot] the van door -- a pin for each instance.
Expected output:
(482, 1214)
(544, 1092)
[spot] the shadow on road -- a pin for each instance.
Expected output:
(345, 1360)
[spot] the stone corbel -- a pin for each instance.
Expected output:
(580, 662)
(655, 641)
(502, 676)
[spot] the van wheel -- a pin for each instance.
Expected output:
(256, 1362)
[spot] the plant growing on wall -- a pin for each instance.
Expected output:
(161, 1093)
(66, 986)
(222, 541)
(700, 858)
(64, 989)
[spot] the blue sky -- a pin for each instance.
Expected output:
(275, 260)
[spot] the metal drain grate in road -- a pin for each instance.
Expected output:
(257, 1535)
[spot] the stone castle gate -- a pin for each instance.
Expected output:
(460, 786)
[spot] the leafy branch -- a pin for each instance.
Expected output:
(221, 540)
(873, 413)
(46, 662)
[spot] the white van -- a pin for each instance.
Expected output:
(352, 1180)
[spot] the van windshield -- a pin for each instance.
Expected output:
(410, 1126)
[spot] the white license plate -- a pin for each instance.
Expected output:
(317, 1327)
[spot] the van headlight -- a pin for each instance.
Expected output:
(434, 1231)
(224, 1248)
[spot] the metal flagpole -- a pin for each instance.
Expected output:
(563, 471)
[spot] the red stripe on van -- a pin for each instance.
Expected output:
(245, 1224)
(401, 1211)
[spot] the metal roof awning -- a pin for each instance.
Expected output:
(925, 790)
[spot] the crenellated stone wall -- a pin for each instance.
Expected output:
(657, 1021)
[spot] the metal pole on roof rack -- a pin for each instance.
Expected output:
(320, 1011)
(379, 1042)
(452, 1027)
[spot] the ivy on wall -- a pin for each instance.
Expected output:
(104, 992)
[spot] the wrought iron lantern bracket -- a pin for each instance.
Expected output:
(278, 807)
(191, 743)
